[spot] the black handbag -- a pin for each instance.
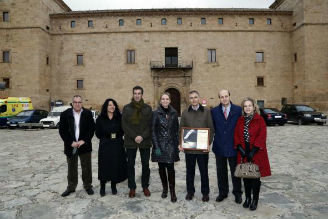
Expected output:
(247, 170)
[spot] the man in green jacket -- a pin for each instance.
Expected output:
(136, 121)
(197, 116)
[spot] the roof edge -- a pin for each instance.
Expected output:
(276, 4)
(63, 5)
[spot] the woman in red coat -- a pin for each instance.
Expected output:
(250, 142)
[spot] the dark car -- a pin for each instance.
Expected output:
(303, 114)
(273, 116)
(27, 116)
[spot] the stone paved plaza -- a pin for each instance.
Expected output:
(33, 175)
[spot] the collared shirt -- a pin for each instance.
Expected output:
(228, 109)
(77, 118)
(195, 107)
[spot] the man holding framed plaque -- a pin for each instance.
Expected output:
(196, 135)
(225, 117)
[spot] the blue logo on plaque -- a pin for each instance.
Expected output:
(13, 109)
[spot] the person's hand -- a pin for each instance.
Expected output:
(80, 143)
(180, 148)
(75, 144)
(138, 139)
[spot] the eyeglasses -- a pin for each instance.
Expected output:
(77, 102)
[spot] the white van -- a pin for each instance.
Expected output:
(52, 121)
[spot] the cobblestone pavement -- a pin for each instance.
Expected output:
(33, 175)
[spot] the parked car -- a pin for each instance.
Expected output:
(52, 120)
(303, 114)
(27, 118)
(273, 116)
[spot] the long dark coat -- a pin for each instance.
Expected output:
(257, 138)
(112, 163)
(165, 136)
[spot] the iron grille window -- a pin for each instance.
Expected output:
(138, 22)
(131, 56)
(259, 56)
(203, 20)
(6, 56)
(171, 57)
(73, 24)
(90, 23)
(269, 21)
(79, 84)
(260, 81)
(163, 21)
(251, 21)
(79, 59)
(211, 55)
(179, 21)
(120, 22)
(5, 16)
(220, 20)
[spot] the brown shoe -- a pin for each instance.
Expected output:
(146, 192)
(205, 198)
(132, 193)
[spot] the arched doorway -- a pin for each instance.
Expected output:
(175, 99)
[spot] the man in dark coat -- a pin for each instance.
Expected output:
(136, 121)
(225, 117)
(197, 116)
(76, 128)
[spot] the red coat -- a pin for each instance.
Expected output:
(257, 137)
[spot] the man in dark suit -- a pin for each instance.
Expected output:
(225, 117)
(76, 128)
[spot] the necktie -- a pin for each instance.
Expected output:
(225, 113)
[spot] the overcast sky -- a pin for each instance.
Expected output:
(128, 4)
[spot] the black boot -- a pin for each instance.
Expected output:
(248, 193)
(163, 176)
(172, 185)
(113, 187)
(102, 188)
(256, 193)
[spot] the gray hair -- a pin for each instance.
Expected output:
(76, 96)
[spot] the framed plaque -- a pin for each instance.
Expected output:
(195, 139)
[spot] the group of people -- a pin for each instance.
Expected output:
(238, 134)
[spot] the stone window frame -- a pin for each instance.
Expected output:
(5, 16)
(179, 21)
(121, 22)
(138, 21)
(211, 55)
(203, 20)
(220, 20)
(163, 21)
(79, 62)
(260, 82)
(6, 56)
(7, 82)
(269, 21)
(259, 59)
(79, 84)
(131, 56)
(251, 21)
(259, 103)
(73, 23)
(90, 24)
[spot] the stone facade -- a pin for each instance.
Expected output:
(294, 47)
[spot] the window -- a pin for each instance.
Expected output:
(163, 22)
(179, 21)
(283, 100)
(5, 16)
(90, 23)
(79, 84)
(259, 56)
(171, 57)
(131, 56)
(211, 55)
(79, 59)
(6, 56)
(251, 21)
(260, 103)
(47, 60)
(220, 20)
(295, 57)
(73, 24)
(7, 82)
(269, 21)
(260, 81)
(203, 21)
(120, 22)
(138, 22)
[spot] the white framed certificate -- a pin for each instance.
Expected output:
(195, 139)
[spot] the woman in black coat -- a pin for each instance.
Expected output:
(165, 139)
(112, 164)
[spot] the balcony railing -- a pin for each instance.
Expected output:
(181, 65)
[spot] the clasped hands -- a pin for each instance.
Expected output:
(138, 139)
(77, 144)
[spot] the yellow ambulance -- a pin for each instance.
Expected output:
(11, 106)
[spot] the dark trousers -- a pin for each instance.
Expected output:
(168, 166)
(252, 186)
(145, 156)
(202, 161)
(222, 175)
(72, 175)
